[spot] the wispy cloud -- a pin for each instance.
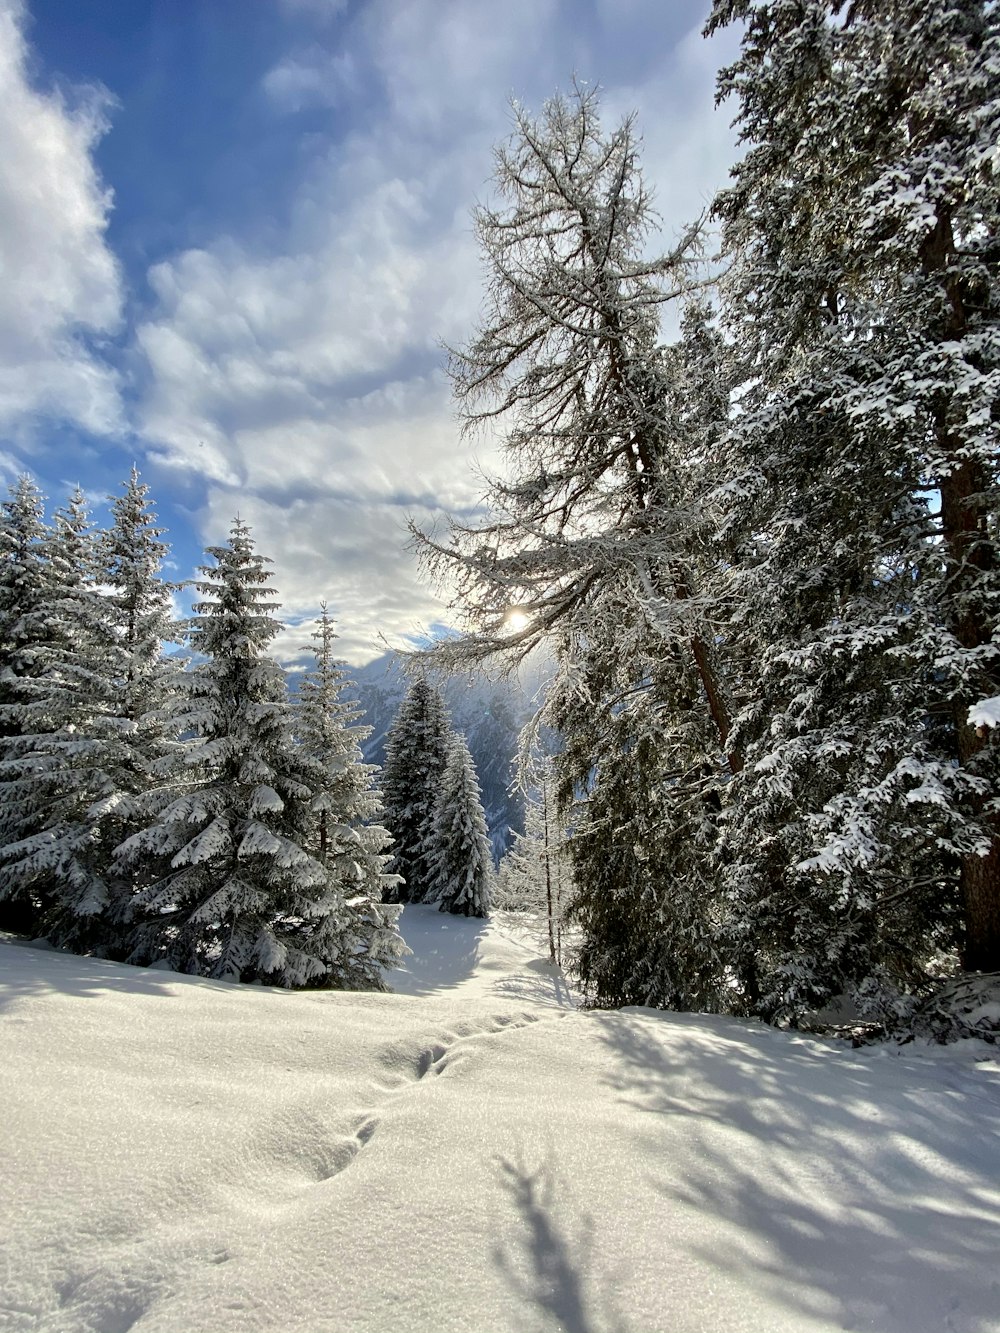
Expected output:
(61, 293)
(304, 383)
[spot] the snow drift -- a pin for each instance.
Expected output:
(183, 1156)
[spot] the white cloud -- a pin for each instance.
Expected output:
(60, 287)
(350, 554)
(312, 77)
(306, 385)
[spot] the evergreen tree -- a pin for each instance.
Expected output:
(861, 512)
(460, 860)
(86, 750)
(641, 784)
(132, 556)
(344, 808)
(416, 755)
(26, 637)
(232, 887)
(147, 671)
(61, 765)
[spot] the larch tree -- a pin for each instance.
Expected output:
(534, 874)
(861, 514)
(346, 836)
(416, 755)
(232, 887)
(460, 858)
(597, 537)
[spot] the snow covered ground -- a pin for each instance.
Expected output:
(472, 1153)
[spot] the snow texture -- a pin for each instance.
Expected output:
(985, 714)
(182, 1155)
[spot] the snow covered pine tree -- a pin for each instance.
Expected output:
(460, 858)
(861, 516)
(416, 754)
(60, 770)
(25, 640)
(232, 887)
(344, 807)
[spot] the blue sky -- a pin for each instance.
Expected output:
(235, 233)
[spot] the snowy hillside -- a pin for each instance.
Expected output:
(472, 1153)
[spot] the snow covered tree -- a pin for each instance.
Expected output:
(147, 668)
(416, 755)
(26, 637)
(861, 513)
(132, 556)
(86, 751)
(568, 358)
(231, 885)
(344, 808)
(460, 859)
(58, 769)
(599, 539)
(534, 874)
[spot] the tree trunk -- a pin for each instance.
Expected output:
(980, 878)
(548, 873)
(971, 558)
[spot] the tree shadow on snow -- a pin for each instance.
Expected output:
(537, 981)
(35, 968)
(445, 948)
(551, 1266)
(851, 1187)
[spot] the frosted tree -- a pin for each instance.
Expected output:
(26, 640)
(147, 669)
(87, 751)
(533, 875)
(568, 359)
(346, 837)
(132, 555)
(860, 516)
(460, 860)
(232, 887)
(59, 768)
(416, 754)
(598, 537)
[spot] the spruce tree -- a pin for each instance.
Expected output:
(87, 751)
(147, 671)
(860, 517)
(232, 887)
(26, 641)
(460, 859)
(61, 765)
(416, 755)
(346, 837)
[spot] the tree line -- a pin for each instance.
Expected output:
(765, 553)
(172, 809)
(166, 799)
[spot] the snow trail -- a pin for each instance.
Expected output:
(182, 1156)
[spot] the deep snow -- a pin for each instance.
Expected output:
(182, 1156)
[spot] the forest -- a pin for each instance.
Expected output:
(748, 508)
